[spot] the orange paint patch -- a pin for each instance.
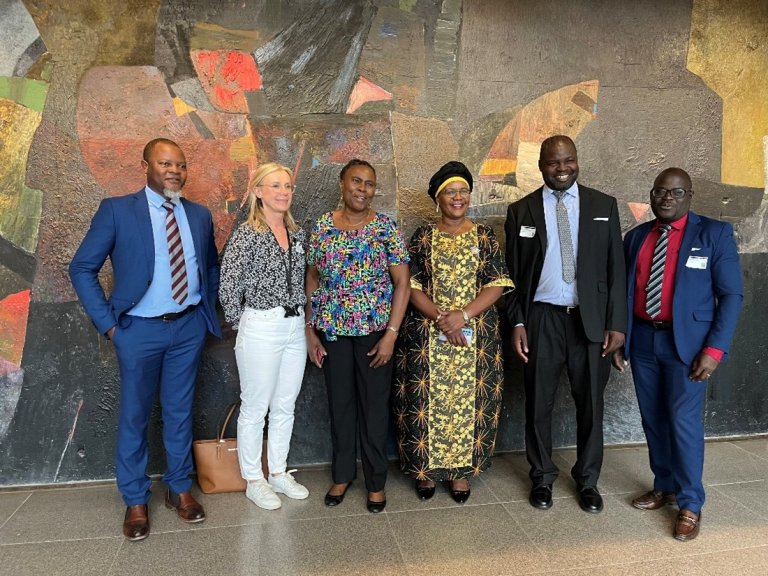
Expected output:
(14, 310)
(366, 91)
(639, 210)
(225, 76)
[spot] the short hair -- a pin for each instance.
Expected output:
(552, 140)
(151, 146)
(355, 162)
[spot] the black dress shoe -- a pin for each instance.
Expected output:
(541, 496)
(425, 492)
(459, 496)
(590, 500)
(334, 500)
(376, 507)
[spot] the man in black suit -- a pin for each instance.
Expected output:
(565, 255)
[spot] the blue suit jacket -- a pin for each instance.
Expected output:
(706, 302)
(121, 229)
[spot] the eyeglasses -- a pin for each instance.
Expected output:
(676, 193)
(453, 192)
(277, 187)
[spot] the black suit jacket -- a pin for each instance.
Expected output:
(600, 270)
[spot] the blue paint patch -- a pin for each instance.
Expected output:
(315, 162)
(594, 109)
(388, 29)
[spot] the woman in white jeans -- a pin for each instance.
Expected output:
(262, 293)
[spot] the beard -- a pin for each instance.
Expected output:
(172, 194)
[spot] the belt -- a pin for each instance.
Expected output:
(171, 316)
(556, 307)
(656, 324)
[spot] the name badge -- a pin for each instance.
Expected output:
(468, 334)
(697, 262)
(527, 232)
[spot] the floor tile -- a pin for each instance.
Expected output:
(217, 551)
(570, 537)
(752, 495)
(66, 514)
(725, 463)
(756, 446)
(625, 470)
(401, 494)
(10, 503)
(664, 567)
(507, 478)
(478, 540)
(742, 562)
(77, 558)
(331, 546)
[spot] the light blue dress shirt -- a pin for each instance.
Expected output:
(552, 288)
(157, 299)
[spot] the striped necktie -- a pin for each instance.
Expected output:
(564, 235)
(176, 253)
(655, 280)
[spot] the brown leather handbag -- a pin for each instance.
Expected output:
(218, 470)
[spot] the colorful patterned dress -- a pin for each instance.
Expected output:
(447, 399)
(355, 293)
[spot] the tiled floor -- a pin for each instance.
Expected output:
(77, 531)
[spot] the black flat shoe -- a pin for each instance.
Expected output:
(459, 496)
(425, 492)
(376, 507)
(541, 497)
(334, 500)
(590, 500)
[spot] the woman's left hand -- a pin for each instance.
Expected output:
(382, 350)
(451, 322)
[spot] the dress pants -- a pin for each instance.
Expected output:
(358, 400)
(671, 407)
(557, 339)
(152, 355)
(271, 353)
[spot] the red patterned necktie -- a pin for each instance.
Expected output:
(176, 253)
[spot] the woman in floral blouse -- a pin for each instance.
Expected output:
(357, 291)
(262, 293)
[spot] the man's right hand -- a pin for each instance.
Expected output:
(618, 360)
(520, 342)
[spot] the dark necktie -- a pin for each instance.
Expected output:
(176, 253)
(564, 234)
(655, 280)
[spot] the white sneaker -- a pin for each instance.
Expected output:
(285, 484)
(260, 493)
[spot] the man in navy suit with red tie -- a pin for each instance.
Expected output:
(162, 305)
(684, 297)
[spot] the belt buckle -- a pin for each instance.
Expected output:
(569, 309)
(658, 324)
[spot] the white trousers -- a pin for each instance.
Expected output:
(271, 353)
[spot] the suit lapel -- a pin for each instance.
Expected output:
(194, 229)
(586, 211)
(536, 206)
(691, 232)
(144, 226)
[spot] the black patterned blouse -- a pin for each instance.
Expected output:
(254, 272)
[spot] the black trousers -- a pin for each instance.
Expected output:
(556, 339)
(358, 399)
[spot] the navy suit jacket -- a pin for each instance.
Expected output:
(121, 230)
(707, 301)
(600, 273)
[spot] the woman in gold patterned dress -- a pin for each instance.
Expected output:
(449, 377)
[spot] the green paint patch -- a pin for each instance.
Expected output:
(29, 93)
(407, 5)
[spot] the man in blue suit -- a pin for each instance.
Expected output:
(684, 296)
(162, 305)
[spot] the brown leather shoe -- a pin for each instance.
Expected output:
(136, 522)
(653, 500)
(187, 508)
(687, 525)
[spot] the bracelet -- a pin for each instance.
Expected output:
(395, 330)
(466, 316)
(309, 324)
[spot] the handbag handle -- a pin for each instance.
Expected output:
(230, 410)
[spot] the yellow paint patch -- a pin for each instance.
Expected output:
(727, 49)
(182, 107)
(498, 166)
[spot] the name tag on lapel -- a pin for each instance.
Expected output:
(601, 218)
(697, 262)
(527, 232)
